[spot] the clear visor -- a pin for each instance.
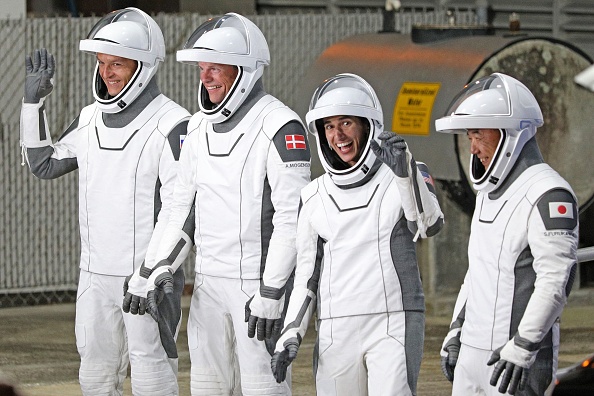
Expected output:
(214, 23)
(492, 98)
(364, 97)
(484, 103)
(120, 16)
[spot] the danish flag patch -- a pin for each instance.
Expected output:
(295, 142)
(561, 209)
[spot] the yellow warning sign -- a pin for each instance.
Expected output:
(412, 111)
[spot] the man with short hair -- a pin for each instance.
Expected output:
(125, 147)
(244, 162)
(522, 252)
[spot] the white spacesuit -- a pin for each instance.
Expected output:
(244, 163)
(126, 149)
(356, 254)
(522, 250)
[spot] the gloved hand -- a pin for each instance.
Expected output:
(160, 283)
(135, 287)
(513, 361)
(392, 152)
(38, 77)
(285, 353)
(265, 314)
(449, 352)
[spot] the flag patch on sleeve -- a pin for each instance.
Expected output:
(561, 210)
(295, 142)
(558, 210)
(181, 140)
(427, 178)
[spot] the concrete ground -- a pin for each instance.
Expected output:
(38, 352)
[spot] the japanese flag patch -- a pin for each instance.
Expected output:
(558, 210)
(295, 142)
(561, 209)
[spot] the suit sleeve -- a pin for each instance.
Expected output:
(176, 219)
(169, 165)
(302, 304)
(553, 240)
(288, 171)
(47, 160)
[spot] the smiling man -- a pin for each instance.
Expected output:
(522, 251)
(126, 147)
(244, 162)
(116, 72)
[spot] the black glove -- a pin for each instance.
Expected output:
(514, 378)
(132, 303)
(266, 327)
(38, 77)
(448, 362)
(163, 285)
(392, 152)
(281, 360)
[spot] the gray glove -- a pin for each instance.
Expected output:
(39, 73)
(282, 359)
(163, 285)
(136, 305)
(266, 328)
(450, 349)
(392, 152)
(514, 378)
(448, 362)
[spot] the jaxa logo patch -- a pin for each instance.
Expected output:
(181, 140)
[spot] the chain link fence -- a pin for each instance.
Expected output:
(39, 237)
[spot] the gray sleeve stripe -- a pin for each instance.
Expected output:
(42, 131)
(526, 344)
(176, 250)
(271, 292)
(297, 322)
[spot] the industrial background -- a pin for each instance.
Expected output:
(39, 245)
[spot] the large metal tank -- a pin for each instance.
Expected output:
(416, 82)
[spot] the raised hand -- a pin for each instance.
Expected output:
(39, 74)
(392, 152)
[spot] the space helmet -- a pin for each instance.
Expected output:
(498, 102)
(231, 39)
(345, 94)
(128, 33)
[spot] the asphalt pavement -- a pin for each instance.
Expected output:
(38, 350)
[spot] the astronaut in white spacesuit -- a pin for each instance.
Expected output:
(362, 217)
(126, 147)
(245, 159)
(522, 251)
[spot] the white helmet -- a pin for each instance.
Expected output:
(499, 102)
(345, 94)
(234, 40)
(129, 33)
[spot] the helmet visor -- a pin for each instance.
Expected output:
(484, 103)
(125, 15)
(227, 20)
(343, 95)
